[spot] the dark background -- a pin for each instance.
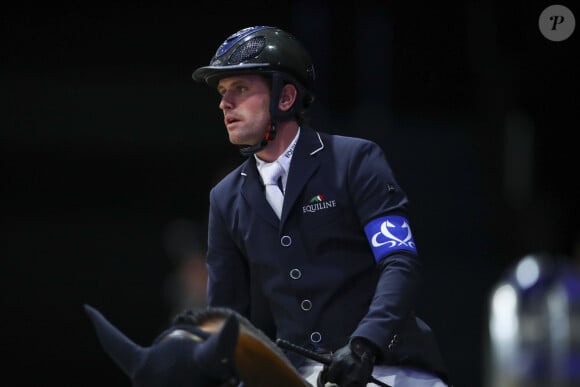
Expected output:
(105, 139)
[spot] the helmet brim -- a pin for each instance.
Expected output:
(212, 74)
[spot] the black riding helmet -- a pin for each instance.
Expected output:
(273, 53)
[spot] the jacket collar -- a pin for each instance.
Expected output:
(304, 163)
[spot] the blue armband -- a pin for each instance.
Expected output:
(390, 234)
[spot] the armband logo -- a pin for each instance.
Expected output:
(390, 234)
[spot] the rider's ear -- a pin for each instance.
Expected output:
(287, 97)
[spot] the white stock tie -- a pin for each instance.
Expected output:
(271, 174)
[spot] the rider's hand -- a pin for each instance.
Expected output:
(351, 365)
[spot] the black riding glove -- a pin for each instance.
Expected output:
(351, 365)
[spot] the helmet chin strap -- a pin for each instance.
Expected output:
(248, 150)
(276, 114)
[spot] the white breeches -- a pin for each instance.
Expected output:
(393, 376)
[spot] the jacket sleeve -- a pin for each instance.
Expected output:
(393, 301)
(228, 278)
(381, 204)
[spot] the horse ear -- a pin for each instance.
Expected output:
(120, 348)
(216, 354)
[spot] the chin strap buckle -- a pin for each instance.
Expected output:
(248, 150)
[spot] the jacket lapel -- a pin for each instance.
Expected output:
(304, 163)
(253, 192)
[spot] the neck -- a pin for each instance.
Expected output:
(285, 133)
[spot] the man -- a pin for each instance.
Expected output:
(321, 255)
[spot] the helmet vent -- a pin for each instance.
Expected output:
(248, 50)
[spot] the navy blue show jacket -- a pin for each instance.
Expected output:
(332, 267)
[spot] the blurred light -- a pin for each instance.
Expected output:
(528, 272)
(504, 320)
(558, 314)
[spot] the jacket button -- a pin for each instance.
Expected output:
(315, 337)
(306, 305)
(295, 274)
(286, 240)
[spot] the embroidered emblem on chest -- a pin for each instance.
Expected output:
(318, 203)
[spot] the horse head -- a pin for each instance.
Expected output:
(212, 347)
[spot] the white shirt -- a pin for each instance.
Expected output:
(284, 160)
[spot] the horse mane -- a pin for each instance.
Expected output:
(260, 362)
